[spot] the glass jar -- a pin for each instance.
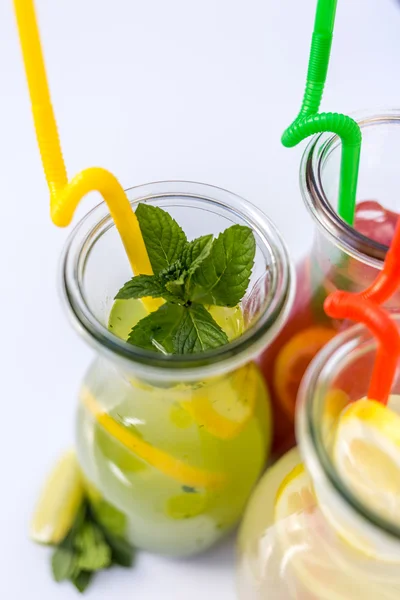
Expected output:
(174, 444)
(306, 533)
(340, 258)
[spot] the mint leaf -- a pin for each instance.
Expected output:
(92, 550)
(63, 563)
(140, 286)
(176, 289)
(156, 332)
(109, 518)
(223, 277)
(163, 237)
(82, 580)
(197, 331)
(91, 545)
(196, 251)
(121, 551)
(176, 329)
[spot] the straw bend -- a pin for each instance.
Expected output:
(345, 127)
(65, 200)
(350, 134)
(344, 305)
(65, 196)
(365, 308)
(309, 122)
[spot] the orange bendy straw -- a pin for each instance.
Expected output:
(65, 195)
(344, 305)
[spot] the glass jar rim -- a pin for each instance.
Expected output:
(173, 367)
(308, 425)
(317, 152)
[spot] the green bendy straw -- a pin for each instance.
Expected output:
(308, 122)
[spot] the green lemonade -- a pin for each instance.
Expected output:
(179, 460)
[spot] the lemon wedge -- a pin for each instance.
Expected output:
(59, 502)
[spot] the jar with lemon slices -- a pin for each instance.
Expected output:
(342, 257)
(175, 443)
(324, 522)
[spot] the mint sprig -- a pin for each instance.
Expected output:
(189, 276)
(94, 543)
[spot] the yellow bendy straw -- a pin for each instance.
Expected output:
(65, 196)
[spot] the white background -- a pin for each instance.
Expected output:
(150, 89)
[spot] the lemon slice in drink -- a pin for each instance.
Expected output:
(327, 553)
(230, 319)
(163, 461)
(124, 315)
(225, 407)
(300, 533)
(205, 410)
(59, 502)
(318, 563)
(367, 455)
(294, 494)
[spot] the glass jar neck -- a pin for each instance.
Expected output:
(379, 177)
(94, 267)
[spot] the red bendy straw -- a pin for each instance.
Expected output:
(364, 308)
(343, 305)
(388, 280)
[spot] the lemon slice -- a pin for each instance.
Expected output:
(294, 494)
(164, 462)
(300, 532)
(319, 542)
(124, 315)
(225, 407)
(316, 562)
(230, 319)
(229, 396)
(59, 502)
(366, 453)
